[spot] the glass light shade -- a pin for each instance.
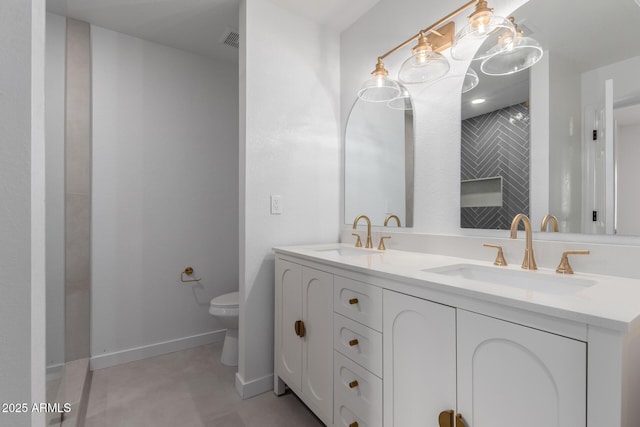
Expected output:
(422, 67)
(402, 102)
(379, 89)
(471, 41)
(520, 54)
(471, 80)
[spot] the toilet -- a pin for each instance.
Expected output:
(226, 309)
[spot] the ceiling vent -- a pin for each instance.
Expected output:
(231, 38)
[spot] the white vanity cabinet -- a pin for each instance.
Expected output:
(387, 348)
(499, 373)
(510, 374)
(304, 335)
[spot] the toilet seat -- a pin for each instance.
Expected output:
(230, 300)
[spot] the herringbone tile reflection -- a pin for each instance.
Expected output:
(497, 144)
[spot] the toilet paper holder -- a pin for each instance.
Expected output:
(188, 272)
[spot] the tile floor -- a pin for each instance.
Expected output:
(190, 388)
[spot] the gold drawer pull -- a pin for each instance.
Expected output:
(354, 424)
(459, 421)
(353, 301)
(353, 343)
(299, 328)
(353, 384)
(445, 419)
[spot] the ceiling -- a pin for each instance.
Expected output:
(197, 25)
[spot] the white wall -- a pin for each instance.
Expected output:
(436, 111)
(289, 69)
(55, 107)
(165, 195)
(627, 155)
(625, 81)
(22, 189)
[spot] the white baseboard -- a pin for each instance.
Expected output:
(254, 387)
(152, 350)
(55, 371)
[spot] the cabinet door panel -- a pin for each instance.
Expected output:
(317, 365)
(288, 311)
(419, 360)
(510, 374)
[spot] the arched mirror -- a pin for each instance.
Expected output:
(557, 138)
(378, 178)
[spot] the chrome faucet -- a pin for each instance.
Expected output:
(390, 217)
(529, 262)
(369, 243)
(545, 221)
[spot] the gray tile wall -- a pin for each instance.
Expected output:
(78, 191)
(497, 144)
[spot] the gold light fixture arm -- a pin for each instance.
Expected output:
(431, 28)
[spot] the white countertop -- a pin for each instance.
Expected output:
(611, 302)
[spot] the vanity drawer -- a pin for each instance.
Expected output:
(361, 344)
(345, 417)
(358, 390)
(358, 301)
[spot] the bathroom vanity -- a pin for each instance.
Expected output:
(394, 338)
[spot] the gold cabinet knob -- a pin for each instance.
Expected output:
(353, 384)
(354, 424)
(445, 419)
(299, 328)
(353, 301)
(353, 342)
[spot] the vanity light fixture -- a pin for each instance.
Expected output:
(426, 63)
(379, 87)
(401, 102)
(514, 52)
(482, 25)
(471, 80)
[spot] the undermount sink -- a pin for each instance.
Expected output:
(529, 280)
(353, 251)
